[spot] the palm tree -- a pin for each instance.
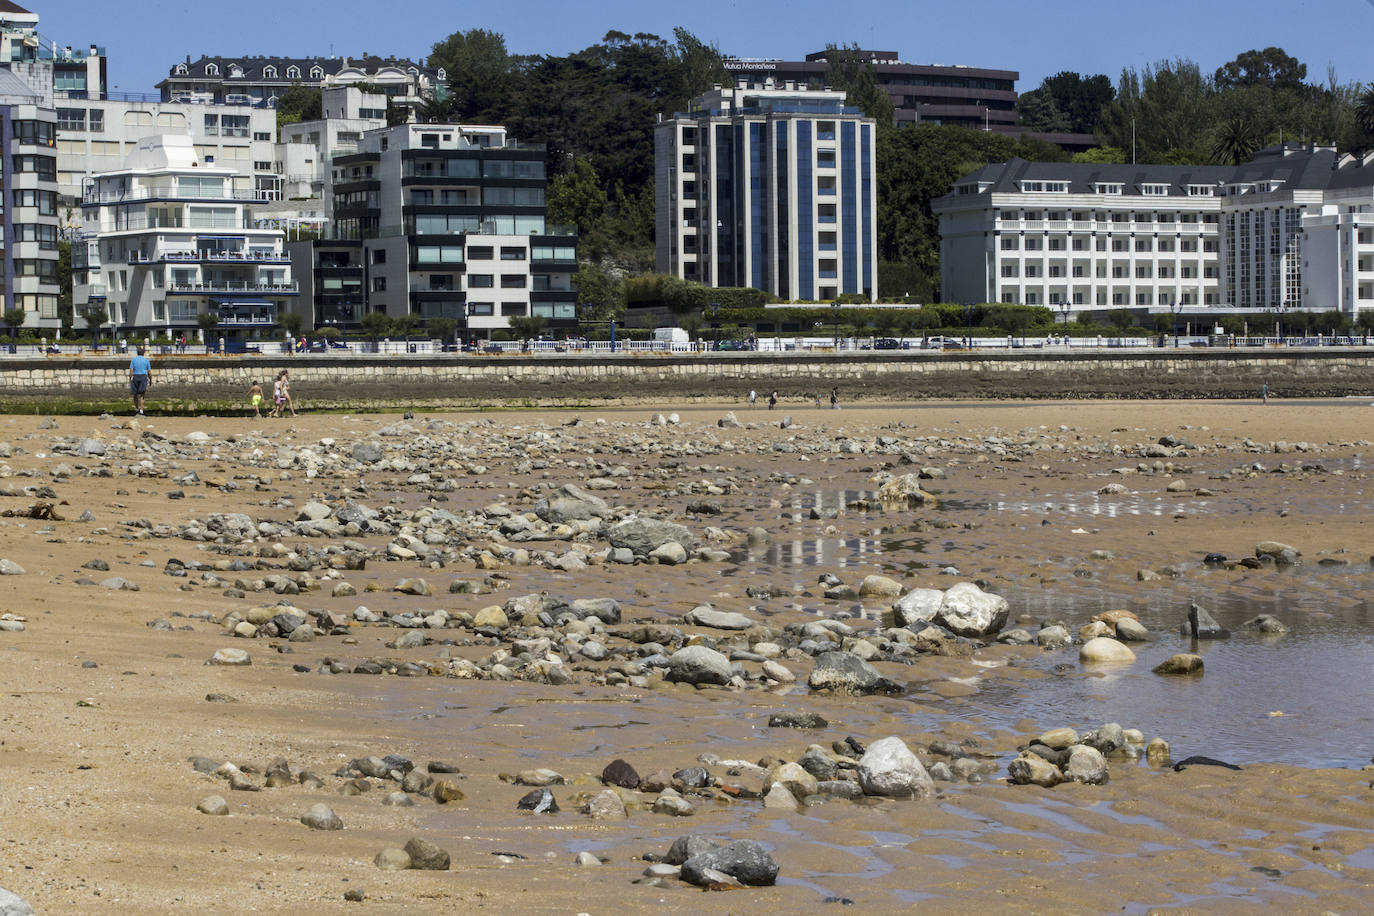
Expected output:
(1364, 109)
(1236, 142)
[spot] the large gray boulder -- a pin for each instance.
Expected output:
(367, 452)
(570, 503)
(845, 672)
(889, 768)
(744, 860)
(699, 665)
(967, 610)
(642, 535)
(1086, 764)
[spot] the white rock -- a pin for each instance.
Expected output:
(1105, 650)
(890, 768)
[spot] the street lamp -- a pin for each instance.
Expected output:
(715, 325)
(968, 325)
(1174, 309)
(835, 318)
(1064, 313)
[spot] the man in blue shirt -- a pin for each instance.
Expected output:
(140, 377)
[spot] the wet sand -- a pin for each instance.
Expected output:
(100, 799)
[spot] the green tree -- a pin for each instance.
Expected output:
(527, 327)
(1364, 109)
(600, 294)
(64, 284)
(291, 323)
(1106, 155)
(1121, 319)
(1037, 110)
(208, 322)
(94, 316)
(1080, 98)
(299, 103)
(1236, 142)
(1272, 68)
(375, 325)
(442, 327)
(577, 198)
(479, 70)
(847, 70)
(404, 325)
(14, 320)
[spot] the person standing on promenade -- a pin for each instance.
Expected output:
(140, 377)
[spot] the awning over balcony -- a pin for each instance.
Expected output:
(240, 303)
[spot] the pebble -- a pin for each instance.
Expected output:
(231, 657)
(321, 817)
(426, 856)
(213, 805)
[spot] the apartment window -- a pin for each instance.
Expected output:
(825, 185)
(825, 130)
(479, 309)
(211, 123)
(259, 166)
(262, 136)
(513, 281)
(1032, 297)
(1011, 243)
(71, 119)
(1154, 190)
(1100, 244)
(233, 125)
(1166, 244)
(1080, 244)
(1165, 271)
(480, 252)
(379, 255)
(1109, 187)
(480, 281)
(1056, 271)
(45, 167)
(1209, 245)
(1119, 272)
(1187, 272)
(1187, 245)
(421, 198)
(1080, 271)
(825, 158)
(1009, 270)
(1056, 244)
(1144, 244)
(1034, 244)
(379, 284)
(1032, 270)
(1142, 271)
(513, 309)
(1142, 299)
(825, 213)
(1121, 245)
(512, 253)
(1201, 190)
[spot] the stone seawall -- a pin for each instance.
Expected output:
(455, 380)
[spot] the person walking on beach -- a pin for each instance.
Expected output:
(1264, 392)
(286, 392)
(140, 377)
(277, 399)
(255, 395)
(834, 398)
(753, 396)
(773, 399)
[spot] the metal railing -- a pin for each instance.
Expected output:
(225, 286)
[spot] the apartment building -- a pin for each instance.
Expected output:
(1280, 232)
(168, 237)
(258, 80)
(768, 186)
(440, 220)
(95, 136)
(28, 192)
(305, 148)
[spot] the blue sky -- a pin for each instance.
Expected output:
(145, 37)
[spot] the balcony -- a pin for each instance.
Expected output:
(227, 287)
(236, 257)
(168, 193)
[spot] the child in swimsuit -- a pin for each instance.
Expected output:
(255, 395)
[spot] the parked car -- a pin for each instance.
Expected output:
(732, 345)
(890, 343)
(941, 343)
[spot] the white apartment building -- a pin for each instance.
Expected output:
(168, 237)
(95, 136)
(769, 186)
(1283, 231)
(307, 147)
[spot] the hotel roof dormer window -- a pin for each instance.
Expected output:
(1201, 190)
(212, 69)
(1154, 190)
(269, 73)
(180, 69)
(293, 73)
(1108, 187)
(235, 72)
(316, 72)
(1045, 187)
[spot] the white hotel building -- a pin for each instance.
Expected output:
(1292, 229)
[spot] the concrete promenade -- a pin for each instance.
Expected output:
(367, 381)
